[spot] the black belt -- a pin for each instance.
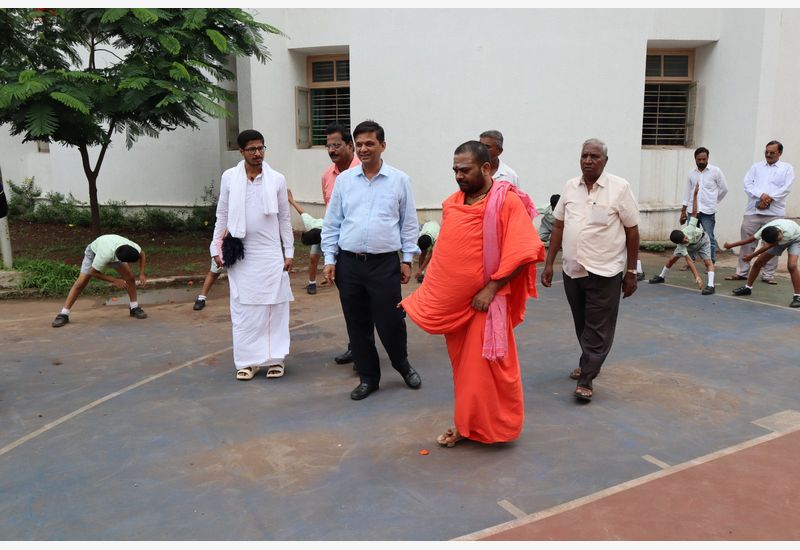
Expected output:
(364, 257)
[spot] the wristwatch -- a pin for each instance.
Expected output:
(632, 271)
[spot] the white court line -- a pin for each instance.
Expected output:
(732, 297)
(657, 462)
(511, 509)
(67, 417)
(532, 518)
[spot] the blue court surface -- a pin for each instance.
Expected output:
(116, 428)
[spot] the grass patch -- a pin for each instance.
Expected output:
(190, 267)
(48, 277)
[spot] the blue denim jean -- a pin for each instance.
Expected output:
(707, 222)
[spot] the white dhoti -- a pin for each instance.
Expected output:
(260, 334)
(260, 290)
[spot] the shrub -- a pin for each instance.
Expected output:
(156, 219)
(22, 198)
(204, 215)
(112, 215)
(56, 208)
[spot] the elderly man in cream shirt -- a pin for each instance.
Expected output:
(597, 224)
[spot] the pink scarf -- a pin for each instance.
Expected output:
(495, 337)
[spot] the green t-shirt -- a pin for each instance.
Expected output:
(105, 247)
(693, 233)
(789, 229)
(430, 229)
(310, 222)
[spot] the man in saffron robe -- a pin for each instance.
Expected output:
(474, 292)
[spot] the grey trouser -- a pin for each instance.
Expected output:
(594, 301)
(750, 224)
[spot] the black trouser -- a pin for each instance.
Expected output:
(594, 301)
(369, 289)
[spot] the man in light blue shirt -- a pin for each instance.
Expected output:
(372, 216)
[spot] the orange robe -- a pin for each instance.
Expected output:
(488, 394)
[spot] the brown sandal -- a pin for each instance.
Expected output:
(575, 373)
(449, 438)
(584, 393)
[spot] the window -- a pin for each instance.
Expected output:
(669, 98)
(42, 146)
(325, 100)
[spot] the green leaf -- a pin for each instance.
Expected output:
(113, 14)
(218, 40)
(193, 18)
(71, 102)
(170, 43)
(207, 106)
(179, 72)
(80, 75)
(135, 82)
(41, 120)
(144, 15)
(25, 76)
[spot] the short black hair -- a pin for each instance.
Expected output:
(677, 236)
(554, 200)
(126, 253)
(369, 126)
(247, 136)
(424, 242)
(476, 149)
(701, 150)
(770, 234)
(312, 236)
(341, 129)
(778, 143)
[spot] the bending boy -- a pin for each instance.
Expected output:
(779, 235)
(107, 251)
(691, 240)
(311, 237)
(428, 234)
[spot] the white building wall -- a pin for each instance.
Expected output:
(547, 79)
(170, 171)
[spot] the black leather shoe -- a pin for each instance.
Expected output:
(138, 313)
(60, 320)
(362, 391)
(346, 357)
(412, 378)
(199, 304)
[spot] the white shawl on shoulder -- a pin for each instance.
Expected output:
(238, 193)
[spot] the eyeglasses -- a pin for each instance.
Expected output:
(334, 146)
(254, 150)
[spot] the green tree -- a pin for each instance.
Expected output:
(80, 76)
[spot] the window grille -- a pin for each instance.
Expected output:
(669, 99)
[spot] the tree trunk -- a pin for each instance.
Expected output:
(94, 206)
(91, 177)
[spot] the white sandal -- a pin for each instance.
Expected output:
(247, 373)
(274, 371)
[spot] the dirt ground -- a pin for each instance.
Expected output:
(169, 253)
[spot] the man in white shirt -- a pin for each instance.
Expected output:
(767, 184)
(710, 181)
(501, 171)
(597, 220)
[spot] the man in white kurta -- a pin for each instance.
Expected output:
(253, 206)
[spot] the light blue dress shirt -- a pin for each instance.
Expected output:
(371, 217)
